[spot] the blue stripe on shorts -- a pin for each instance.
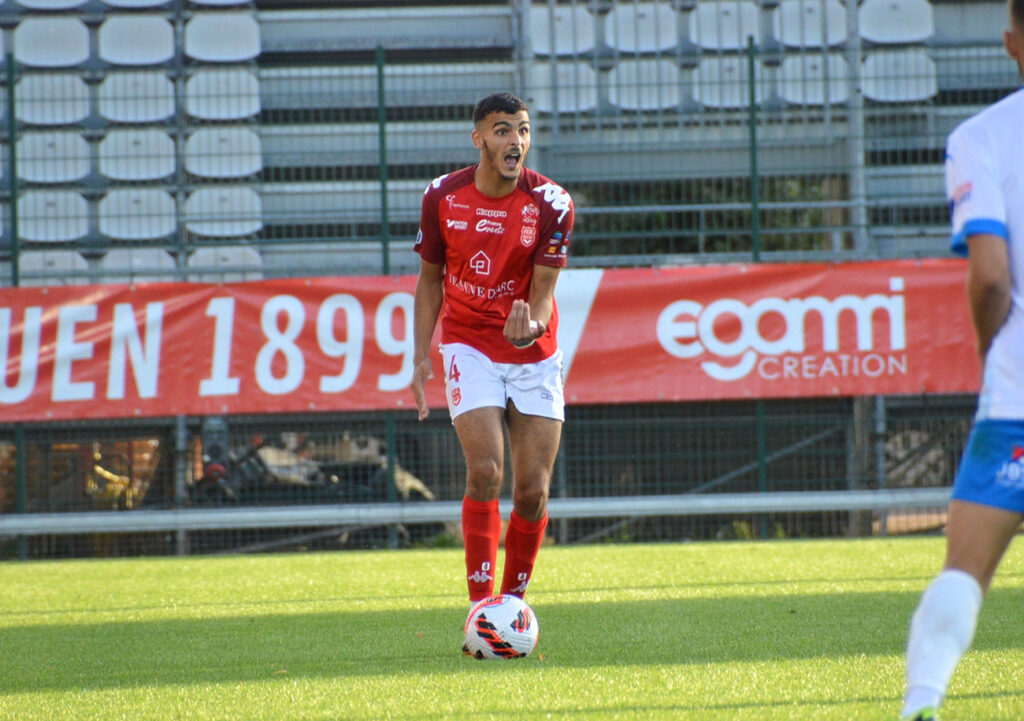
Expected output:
(992, 470)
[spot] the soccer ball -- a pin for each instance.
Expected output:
(500, 627)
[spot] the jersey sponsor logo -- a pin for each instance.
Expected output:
(556, 197)
(490, 213)
(528, 235)
(457, 224)
(687, 329)
(961, 194)
(454, 204)
(490, 226)
(530, 214)
(435, 183)
(1011, 473)
(481, 263)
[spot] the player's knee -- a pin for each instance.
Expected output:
(483, 472)
(531, 501)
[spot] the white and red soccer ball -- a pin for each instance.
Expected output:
(500, 627)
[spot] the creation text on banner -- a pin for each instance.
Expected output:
(318, 344)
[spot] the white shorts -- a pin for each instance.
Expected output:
(472, 380)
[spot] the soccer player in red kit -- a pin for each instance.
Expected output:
(492, 240)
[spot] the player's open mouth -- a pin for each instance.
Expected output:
(512, 160)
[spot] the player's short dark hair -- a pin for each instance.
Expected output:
(498, 103)
(1017, 12)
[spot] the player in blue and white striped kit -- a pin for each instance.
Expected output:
(985, 186)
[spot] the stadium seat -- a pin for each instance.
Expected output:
(565, 87)
(136, 4)
(227, 37)
(51, 42)
(724, 24)
(137, 214)
(51, 99)
(136, 97)
(225, 263)
(223, 212)
(128, 265)
(560, 29)
(896, 21)
(55, 216)
(136, 40)
(222, 94)
(810, 23)
(721, 82)
(53, 157)
(644, 85)
(136, 155)
(643, 27)
(223, 152)
(814, 79)
(899, 76)
(51, 4)
(53, 267)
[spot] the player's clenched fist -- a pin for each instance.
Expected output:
(520, 330)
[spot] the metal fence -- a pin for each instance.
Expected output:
(193, 141)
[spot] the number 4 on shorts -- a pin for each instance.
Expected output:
(453, 372)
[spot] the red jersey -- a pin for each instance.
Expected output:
(489, 247)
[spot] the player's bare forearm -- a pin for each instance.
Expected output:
(988, 287)
(427, 300)
(542, 294)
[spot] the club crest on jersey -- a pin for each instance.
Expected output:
(528, 235)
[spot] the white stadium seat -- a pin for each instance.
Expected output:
(137, 155)
(222, 94)
(896, 21)
(51, 99)
(223, 212)
(225, 263)
(136, 97)
(642, 27)
(52, 216)
(721, 82)
(136, 4)
(814, 79)
(136, 40)
(51, 4)
(54, 267)
(564, 87)
(217, 37)
(223, 152)
(53, 157)
(724, 24)
(137, 214)
(899, 76)
(644, 85)
(51, 42)
(128, 265)
(810, 23)
(560, 29)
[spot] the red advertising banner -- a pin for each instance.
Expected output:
(693, 333)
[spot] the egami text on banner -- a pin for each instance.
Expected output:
(695, 333)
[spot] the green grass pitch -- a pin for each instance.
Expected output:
(769, 630)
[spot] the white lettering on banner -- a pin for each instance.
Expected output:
(386, 341)
(351, 349)
(283, 342)
(556, 197)
(221, 382)
(67, 351)
(686, 329)
(29, 365)
(125, 345)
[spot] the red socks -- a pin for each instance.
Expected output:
(481, 530)
(522, 542)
